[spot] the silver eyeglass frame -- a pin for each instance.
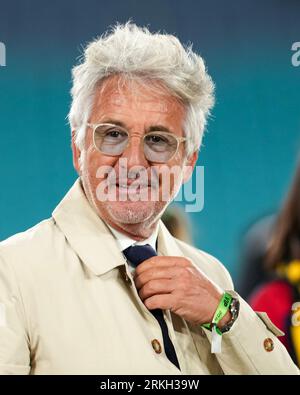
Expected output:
(94, 126)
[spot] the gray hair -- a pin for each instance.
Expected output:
(135, 52)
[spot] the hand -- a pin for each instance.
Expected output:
(174, 283)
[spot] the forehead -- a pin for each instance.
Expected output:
(125, 96)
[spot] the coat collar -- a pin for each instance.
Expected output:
(91, 238)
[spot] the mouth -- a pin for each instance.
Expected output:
(135, 191)
(134, 185)
(132, 188)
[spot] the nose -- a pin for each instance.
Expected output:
(134, 152)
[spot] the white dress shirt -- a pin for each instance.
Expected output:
(123, 241)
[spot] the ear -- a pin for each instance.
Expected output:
(189, 166)
(76, 154)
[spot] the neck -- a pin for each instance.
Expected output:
(138, 232)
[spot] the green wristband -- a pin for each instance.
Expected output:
(222, 308)
(220, 312)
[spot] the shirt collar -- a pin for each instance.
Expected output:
(124, 241)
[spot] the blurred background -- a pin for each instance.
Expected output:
(253, 137)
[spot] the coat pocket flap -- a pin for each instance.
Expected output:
(269, 324)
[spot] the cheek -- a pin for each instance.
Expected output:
(176, 166)
(171, 178)
(97, 166)
(180, 155)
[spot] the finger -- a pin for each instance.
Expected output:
(158, 273)
(161, 261)
(155, 287)
(163, 302)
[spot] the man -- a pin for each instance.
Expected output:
(102, 287)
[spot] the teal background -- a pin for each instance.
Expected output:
(252, 141)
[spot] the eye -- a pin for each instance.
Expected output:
(115, 134)
(156, 139)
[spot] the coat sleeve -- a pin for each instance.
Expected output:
(14, 343)
(251, 346)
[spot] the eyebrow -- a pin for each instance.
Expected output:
(161, 128)
(114, 122)
(153, 128)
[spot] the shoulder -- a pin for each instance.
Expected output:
(35, 245)
(27, 260)
(208, 264)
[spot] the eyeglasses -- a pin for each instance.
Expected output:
(112, 140)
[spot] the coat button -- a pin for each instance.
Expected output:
(156, 346)
(268, 344)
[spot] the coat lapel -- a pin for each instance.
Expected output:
(86, 232)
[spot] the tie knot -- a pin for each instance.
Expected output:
(138, 254)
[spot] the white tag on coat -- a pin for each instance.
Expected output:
(216, 342)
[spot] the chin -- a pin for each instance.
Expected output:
(131, 212)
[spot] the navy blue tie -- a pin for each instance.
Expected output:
(136, 255)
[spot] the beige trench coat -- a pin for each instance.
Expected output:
(69, 306)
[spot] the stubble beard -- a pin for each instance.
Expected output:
(143, 213)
